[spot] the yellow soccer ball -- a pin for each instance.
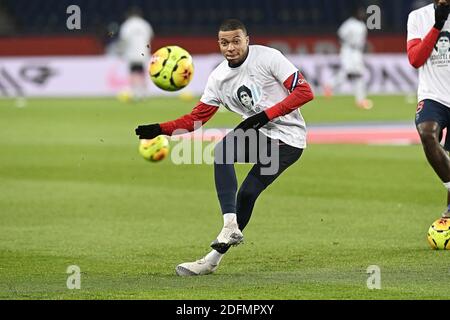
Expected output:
(439, 234)
(154, 150)
(171, 68)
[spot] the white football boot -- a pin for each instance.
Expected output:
(197, 268)
(229, 236)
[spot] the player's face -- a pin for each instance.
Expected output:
(442, 2)
(361, 14)
(233, 45)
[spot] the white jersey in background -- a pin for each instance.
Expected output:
(353, 35)
(135, 36)
(254, 86)
(434, 75)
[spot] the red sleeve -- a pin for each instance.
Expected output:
(300, 94)
(201, 113)
(420, 50)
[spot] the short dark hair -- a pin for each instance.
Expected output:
(232, 24)
(134, 11)
(436, 2)
(359, 11)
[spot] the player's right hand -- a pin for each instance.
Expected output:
(441, 13)
(254, 122)
(149, 131)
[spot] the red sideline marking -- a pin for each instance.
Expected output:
(361, 135)
(379, 134)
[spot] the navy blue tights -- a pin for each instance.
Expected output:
(254, 184)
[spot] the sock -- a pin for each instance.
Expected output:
(447, 185)
(229, 218)
(360, 90)
(214, 257)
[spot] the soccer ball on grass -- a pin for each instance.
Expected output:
(439, 234)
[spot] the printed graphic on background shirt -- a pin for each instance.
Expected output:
(441, 53)
(249, 98)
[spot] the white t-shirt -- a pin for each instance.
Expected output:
(353, 34)
(434, 75)
(255, 86)
(135, 35)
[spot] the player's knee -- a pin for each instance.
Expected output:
(247, 194)
(250, 189)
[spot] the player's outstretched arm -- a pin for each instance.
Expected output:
(201, 113)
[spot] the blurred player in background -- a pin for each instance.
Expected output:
(353, 37)
(135, 36)
(271, 113)
(428, 51)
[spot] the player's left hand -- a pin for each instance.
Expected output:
(255, 122)
(148, 131)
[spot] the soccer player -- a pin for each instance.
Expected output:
(250, 78)
(428, 51)
(353, 36)
(135, 37)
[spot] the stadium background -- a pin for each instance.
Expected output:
(304, 30)
(188, 21)
(74, 191)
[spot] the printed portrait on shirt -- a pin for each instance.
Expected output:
(246, 97)
(443, 44)
(249, 98)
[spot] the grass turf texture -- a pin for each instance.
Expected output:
(74, 191)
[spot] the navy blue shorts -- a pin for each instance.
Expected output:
(251, 151)
(430, 110)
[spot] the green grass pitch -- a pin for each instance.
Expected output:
(74, 191)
